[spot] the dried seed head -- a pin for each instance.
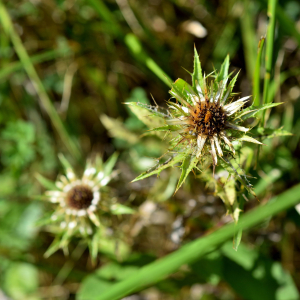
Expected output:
(207, 118)
(80, 197)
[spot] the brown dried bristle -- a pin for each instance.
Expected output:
(80, 197)
(207, 118)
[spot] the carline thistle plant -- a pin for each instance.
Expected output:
(205, 124)
(80, 204)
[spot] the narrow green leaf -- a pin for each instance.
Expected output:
(269, 52)
(197, 77)
(165, 128)
(237, 172)
(256, 76)
(67, 166)
(53, 247)
(159, 167)
(109, 164)
(253, 110)
(267, 133)
(237, 239)
(247, 138)
(46, 183)
(151, 116)
(120, 209)
(223, 74)
(94, 247)
(187, 166)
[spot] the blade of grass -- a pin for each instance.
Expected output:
(46, 56)
(189, 253)
(107, 16)
(136, 48)
(288, 24)
(249, 37)
(130, 40)
(269, 51)
(37, 83)
(256, 76)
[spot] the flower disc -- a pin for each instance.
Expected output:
(80, 197)
(208, 118)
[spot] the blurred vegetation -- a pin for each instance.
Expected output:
(62, 89)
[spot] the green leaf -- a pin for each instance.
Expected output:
(109, 164)
(253, 110)
(187, 166)
(94, 247)
(151, 116)
(53, 247)
(237, 172)
(197, 77)
(120, 209)
(268, 133)
(223, 74)
(250, 139)
(233, 81)
(46, 183)
(237, 239)
(67, 166)
(183, 92)
(165, 128)
(176, 158)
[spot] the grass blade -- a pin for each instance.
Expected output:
(256, 76)
(189, 253)
(36, 82)
(269, 51)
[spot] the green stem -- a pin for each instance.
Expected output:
(256, 77)
(37, 83)
(191, 252)
(269, 51)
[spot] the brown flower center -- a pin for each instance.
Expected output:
(80, 197)
(207, 118)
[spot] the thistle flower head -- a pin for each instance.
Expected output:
(205, 116)
(80, 202)
(205, 122)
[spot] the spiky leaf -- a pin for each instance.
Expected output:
(187, 166)
(267, 133)
(176, 158)
(183, 92)
(250, 139)
(150, 115)
(197, 77)
(253, 110)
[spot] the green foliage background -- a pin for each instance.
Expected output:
(62, 88)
